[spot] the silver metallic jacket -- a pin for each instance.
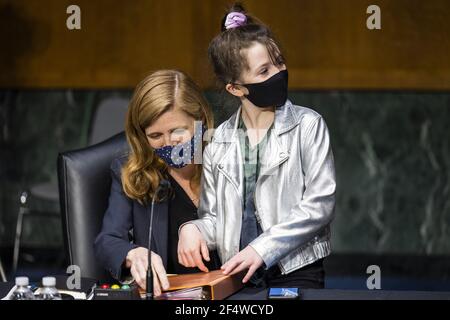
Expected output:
(294, 194)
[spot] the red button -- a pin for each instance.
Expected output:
(104, 286)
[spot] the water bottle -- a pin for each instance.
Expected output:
(49, 292)
(22, 291)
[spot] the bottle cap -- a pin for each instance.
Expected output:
(21, 281)
(48, 281)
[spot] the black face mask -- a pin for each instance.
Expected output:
(269, 93)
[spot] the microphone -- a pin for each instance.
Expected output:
(164, 185)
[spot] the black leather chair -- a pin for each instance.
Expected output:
(84, 186)
(107, 120)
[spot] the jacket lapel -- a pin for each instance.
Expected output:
(276, 153)
(231, 164)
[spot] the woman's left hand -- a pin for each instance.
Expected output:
(245, 259)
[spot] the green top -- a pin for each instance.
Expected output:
(252, 158)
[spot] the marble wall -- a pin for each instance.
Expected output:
(392, 154)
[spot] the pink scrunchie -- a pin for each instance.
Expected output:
(234, 20)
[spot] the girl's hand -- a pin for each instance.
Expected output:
(192, 247)
(245, 259)
(137, 261)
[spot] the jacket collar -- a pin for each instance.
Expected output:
(285, 120)
(275, 154)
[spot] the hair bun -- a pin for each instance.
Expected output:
(235, 19)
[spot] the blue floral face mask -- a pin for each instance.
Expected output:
(182, 154)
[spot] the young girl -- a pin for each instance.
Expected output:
(268, 195)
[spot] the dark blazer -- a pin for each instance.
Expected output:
(125, 226)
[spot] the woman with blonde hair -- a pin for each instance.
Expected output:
(166, 119)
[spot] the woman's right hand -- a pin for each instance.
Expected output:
(137, 261)
(192, 247)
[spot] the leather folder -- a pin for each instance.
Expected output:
(215, 284)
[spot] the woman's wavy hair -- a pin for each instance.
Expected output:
(158, 93)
